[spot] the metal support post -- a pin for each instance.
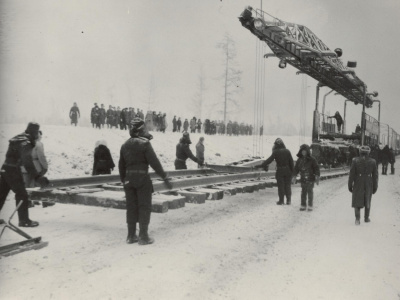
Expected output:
(323, 103)
(363, 116)
(315, 132)
(344, 116)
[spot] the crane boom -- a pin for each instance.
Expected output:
(298, 46)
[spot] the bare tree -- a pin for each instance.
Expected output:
(231, 76)
(198, 99)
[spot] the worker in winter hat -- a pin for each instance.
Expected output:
(136, 156)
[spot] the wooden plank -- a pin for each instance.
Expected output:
(212, 194)
(174, 202)
(193, 197)
(159, 206)
(228, 190)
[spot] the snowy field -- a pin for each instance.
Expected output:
(70, 149)
(241, 247)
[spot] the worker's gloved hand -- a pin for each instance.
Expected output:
(374, 190)
(317, 180)
(44, 171)
(43, 181)
(168, 183)
(293, 179)
(350, 189)
(266, 167)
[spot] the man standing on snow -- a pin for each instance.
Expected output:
(284, 170)
(308, 168)
(200, 152)
(363, 182)
(74, 114)
(135, 157)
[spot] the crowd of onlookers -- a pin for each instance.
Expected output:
(121, 118)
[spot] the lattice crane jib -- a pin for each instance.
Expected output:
(298, 46)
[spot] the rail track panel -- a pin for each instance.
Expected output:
(190, 186)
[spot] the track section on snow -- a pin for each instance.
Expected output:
(189, 186)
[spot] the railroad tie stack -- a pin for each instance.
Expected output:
(197, 187)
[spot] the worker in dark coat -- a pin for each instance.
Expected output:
(74, 114)
(174, 127)
(110, 117)
(193, 125)
(199, 125)
(185, 125)
(102, 115)
(103, 162)
(117, 117)
(385, 158)
(308, 168)
(392, 161)
(284, 170)
(19, 154)
(183, 153)
(179, 124)
(135, 157)
(339, 120)
(358, 129)
(163, 122)
(94, 116)
(200, 152)
(363, 182)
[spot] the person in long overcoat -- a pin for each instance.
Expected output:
(103, 162)
(174, 124)
(74, 114)
(200, 152)
(363, 182)
(392, 161)
(179, 124)
(193, 125)
(385, 158)
(199, 125)
(185, 125)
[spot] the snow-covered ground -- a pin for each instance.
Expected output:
(241, 247)
(70, 149)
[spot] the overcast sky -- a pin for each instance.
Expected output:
(54, 53)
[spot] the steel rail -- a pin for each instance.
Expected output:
(102, 179)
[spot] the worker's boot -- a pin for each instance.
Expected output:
(23, 216)
(132, 237)
(144, 238)
(357, 213)
(366, 215)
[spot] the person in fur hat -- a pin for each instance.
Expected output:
(308, 168)
(135, 157)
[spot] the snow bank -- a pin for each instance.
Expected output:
(70, 149)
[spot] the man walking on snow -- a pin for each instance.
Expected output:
(309, 173)
(363, 182)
